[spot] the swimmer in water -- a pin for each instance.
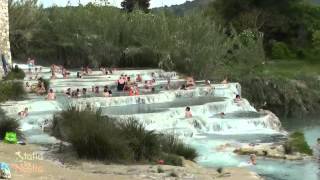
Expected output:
(51, 95)
(24, 113)
(188, 113)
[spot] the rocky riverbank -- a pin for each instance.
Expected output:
(270, 151)
(33, 162)
(285, 97)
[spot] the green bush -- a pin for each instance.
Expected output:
(8, 125)
(171, 144)
(15, 73)
(11, 90)
(105, 138)
(297, 143)
(144, 144)
(91, 135)
(281, 51)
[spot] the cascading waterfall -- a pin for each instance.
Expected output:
(163, 111)
(207, 119)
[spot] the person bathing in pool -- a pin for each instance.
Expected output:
(106, 92)
(188, 113)
(253, 159)
(24, 113)
(51, 95)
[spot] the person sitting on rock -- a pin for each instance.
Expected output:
(23, 113)
(51, 95)
(188, 113)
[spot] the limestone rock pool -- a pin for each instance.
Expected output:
(212, 134)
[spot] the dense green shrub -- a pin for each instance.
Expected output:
(8, 125)
(297, 143)
(11, 90)
(15, 73)
(91, 135)
(144, 144)
(105, 138)
(281, 51)
(192, 44)
(173, 145)
(138, 57)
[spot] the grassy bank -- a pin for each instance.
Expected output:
(112, 140)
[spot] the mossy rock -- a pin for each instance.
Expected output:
(297, 143)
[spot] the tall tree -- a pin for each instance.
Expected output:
(129, 5)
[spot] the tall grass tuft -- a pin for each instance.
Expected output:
(144, 144)
(11, 90)
(91, 135)
(173, 145)
(96, 137)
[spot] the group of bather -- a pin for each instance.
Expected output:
(125, 84)
(84, 92)
(59, 69)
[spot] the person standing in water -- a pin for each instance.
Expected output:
(253, 159)
(188, 113)
(51, 95)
